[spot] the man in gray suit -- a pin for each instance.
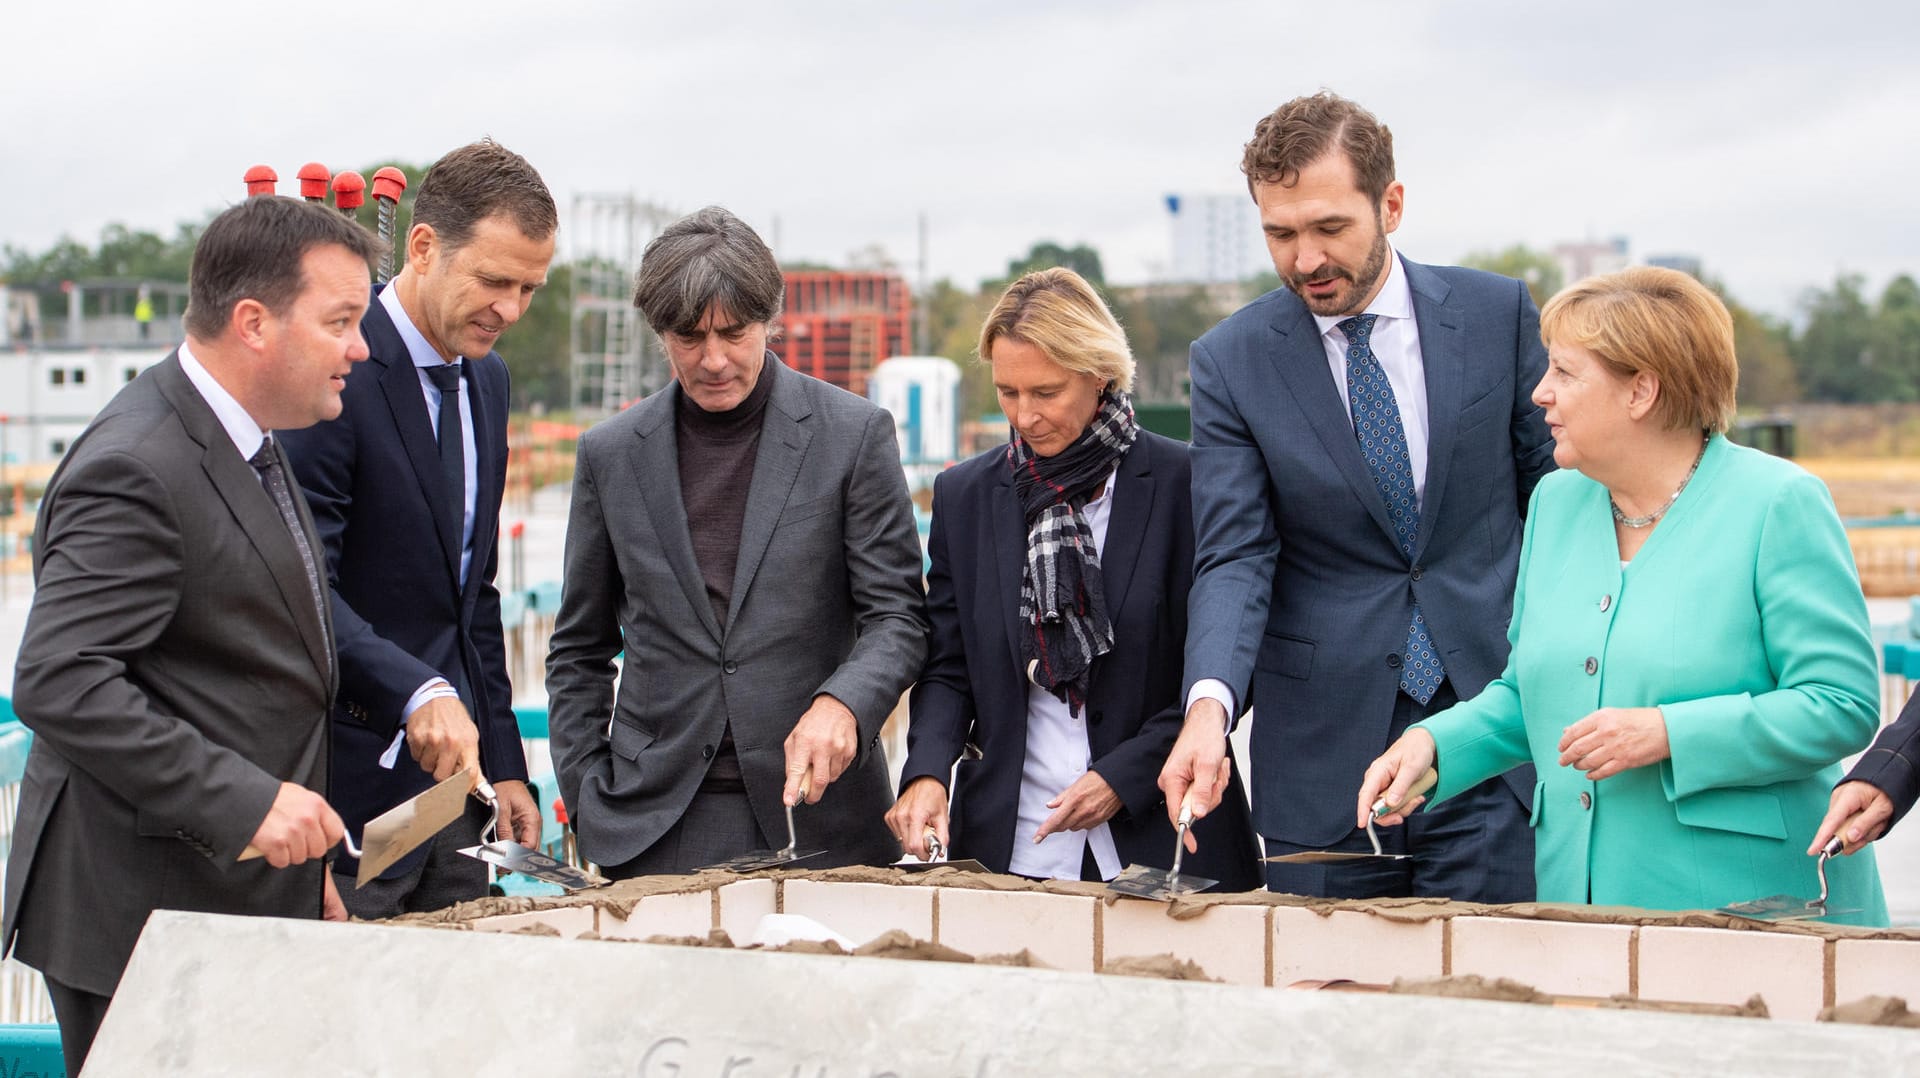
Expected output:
(745, 536)
(177, 665)
(1364, 447)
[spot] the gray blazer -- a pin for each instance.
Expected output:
(827, 598)
(174, 672)
(1301, 594)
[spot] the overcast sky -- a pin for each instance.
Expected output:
(1775, 141)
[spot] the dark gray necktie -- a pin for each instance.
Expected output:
(267, 463)
(453, 450)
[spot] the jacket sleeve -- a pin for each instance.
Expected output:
(1236, 541)
(882, 551)
(1486, 736)
(1813, 627)
(941, 707)
(585, 639)
(1893, 763)
(110, 579)
(376, 675)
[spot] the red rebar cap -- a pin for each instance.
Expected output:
(260, 180)
(349, 190)
(388, 183)
(313, 180)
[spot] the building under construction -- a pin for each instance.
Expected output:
(838, 326)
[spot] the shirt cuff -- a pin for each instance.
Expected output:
(1210, 688)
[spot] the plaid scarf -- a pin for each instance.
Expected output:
(1061, 599)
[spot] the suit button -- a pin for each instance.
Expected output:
(1586, 800)
(1394, 660)
(1606, 603)
(1593, 666)
(730, 666)
(706, 752)
(1416, 572)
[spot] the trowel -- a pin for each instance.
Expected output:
(755, 860)
(403, 828)
(1380, 808)
(937, 858)
(1161, 884)
(512, 856)
(1792, 907)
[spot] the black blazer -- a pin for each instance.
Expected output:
(372, 479)
(1890, 762)
(973, 689)
(174, 672)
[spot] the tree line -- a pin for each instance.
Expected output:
(1848, 346)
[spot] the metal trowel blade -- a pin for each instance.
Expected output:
(1781, 908)
(402, 829)
(1325, 857)
(965, 864)
(755, 860)
(1143, 882)
(517, 858)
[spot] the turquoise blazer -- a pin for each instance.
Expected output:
(1741, 618)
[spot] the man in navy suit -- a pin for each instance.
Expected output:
(1364, 450)
(405, 491)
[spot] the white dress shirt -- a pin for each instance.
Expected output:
(1395, 341)
(1058, 754)
(424, 359)
(240, 427)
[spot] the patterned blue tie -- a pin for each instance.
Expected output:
(1383, 439)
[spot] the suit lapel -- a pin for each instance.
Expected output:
(1443, 352)
(1010, 561)
(239, 486)
(1127, 521)
(1302, 361)
(784, 438)
(407, 402)
(657, 461)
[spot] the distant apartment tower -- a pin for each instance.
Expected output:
(839, 326)
(1216, 238)
(1590, 258)
(1687, 264)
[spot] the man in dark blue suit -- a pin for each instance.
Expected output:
(405, 490)
(1364, 450)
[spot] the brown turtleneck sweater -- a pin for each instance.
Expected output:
(717, 451)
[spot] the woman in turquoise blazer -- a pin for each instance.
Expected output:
(1690, 655)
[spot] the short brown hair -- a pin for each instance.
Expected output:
(475, 182)
(1058, 312)
(1306, 129)
(254, 251)
(1660, 321)
(704, 259)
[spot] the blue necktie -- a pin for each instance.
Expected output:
(1383, 440)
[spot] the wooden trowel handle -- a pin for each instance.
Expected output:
(1426, 782)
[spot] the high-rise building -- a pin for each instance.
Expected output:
(1216, 238)
(1590, 258)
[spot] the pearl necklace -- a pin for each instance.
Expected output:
(1648, 520)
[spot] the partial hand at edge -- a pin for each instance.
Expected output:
(331, 908)
(922, 805)
(519, 813)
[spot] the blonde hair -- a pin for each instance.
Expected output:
(1660, 321)
(1058, 312)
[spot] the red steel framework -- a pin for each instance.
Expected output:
(838, 326)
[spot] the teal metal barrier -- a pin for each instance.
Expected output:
(31, 1050)
(15, 740)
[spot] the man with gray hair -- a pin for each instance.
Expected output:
(746, 537)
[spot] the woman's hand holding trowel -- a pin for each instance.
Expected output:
(1396, 778)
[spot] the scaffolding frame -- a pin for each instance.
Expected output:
(616, 359)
